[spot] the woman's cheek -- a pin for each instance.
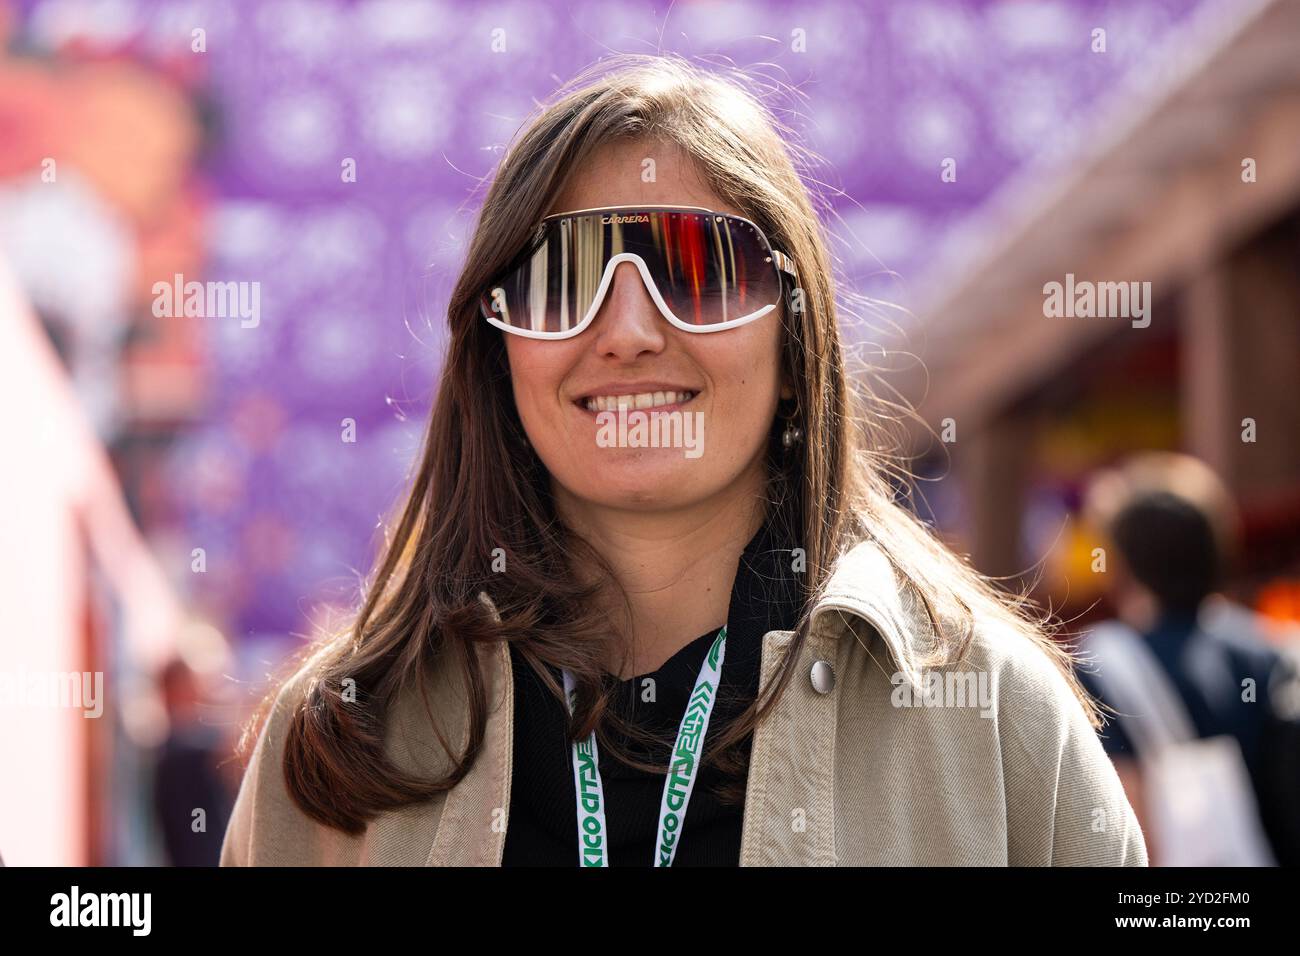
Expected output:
(746, 431)
(536, 374)
(747, 385)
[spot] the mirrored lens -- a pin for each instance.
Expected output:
(711, 269)
(707, 268)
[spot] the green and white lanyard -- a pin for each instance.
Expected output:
(593, 837)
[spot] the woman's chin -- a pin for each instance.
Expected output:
(640, 477)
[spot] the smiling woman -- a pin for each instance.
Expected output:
(584, 652)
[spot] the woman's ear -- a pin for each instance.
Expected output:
(787, 390)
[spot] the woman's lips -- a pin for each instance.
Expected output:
(581, 405)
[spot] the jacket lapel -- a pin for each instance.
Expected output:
(789, 803)
(789, 808)
(472, 827)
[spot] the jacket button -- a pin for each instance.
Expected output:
(823, 677)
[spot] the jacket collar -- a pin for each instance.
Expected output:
(865, 584)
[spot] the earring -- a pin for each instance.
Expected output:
(793, 434)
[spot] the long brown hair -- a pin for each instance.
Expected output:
(481, 487)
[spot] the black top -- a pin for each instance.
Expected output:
(542, 827)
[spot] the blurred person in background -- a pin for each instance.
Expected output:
(186, 776)
(1200, 737)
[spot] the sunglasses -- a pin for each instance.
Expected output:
(706, 271)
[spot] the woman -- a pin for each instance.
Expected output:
(711, 637)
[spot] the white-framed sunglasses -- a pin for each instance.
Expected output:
(705, 271)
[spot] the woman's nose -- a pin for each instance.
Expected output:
(628, 322)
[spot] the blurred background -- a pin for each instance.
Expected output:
(179, 514)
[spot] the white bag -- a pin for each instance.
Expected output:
(1200, 803)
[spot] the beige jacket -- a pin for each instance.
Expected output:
(868, 771)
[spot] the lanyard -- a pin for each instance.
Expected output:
(593, 847)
